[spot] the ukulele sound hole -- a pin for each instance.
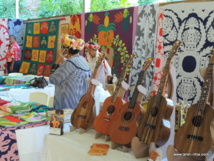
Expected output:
(110, 109)
(84, 104)
(197, 121)
(154, 111)
(127, 116)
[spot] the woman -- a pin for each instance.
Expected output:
(92, 54)
(69, 77)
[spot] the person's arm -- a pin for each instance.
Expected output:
(59, 60)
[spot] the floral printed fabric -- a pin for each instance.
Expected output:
(8, 146)
(144, 44)
(192, 23)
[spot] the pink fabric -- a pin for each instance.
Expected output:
(13, 52)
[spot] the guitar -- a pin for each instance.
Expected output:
(194, 136)
(151, 127)
(124, 127)
(83, 115)
(111, 105)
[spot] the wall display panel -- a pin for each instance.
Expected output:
(193, 24)
(144, 43)
(40, 47)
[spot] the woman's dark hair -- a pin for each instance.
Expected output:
(72, 51)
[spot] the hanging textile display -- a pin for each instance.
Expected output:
(16, 28)
(39, 52)
(113, 31)
(4, 43)
(144, 43)
(159, 54)
(75, 26)
(193, 24)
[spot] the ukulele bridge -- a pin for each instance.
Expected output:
(194, 137)
(124, 128)
(150, 126)
(106, 119)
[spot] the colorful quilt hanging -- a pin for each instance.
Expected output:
(39, 52)
(193, 24)
(113, 31)
(4, 43)
(74, 26)
(144, 43)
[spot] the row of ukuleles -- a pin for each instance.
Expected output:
(120, 121)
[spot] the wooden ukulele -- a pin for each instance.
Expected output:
(111, 105)
(124, 127)
(194, 136)
(151, 127)
(83, 115)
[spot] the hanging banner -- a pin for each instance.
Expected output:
(113, 31)
(39, 52)
(192, 23)
(4, 43)
(144, 43)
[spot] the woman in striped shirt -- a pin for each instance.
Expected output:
(70, 77)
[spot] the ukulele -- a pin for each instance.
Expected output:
(151, 127)
(124, 127)
(83, 115)
(111, 105)
(194, 136)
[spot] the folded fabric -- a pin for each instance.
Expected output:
(33, 117)
(11, 120)
(16, 107)
(2, 102)
(38, 108)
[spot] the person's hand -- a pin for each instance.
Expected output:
(59, 56)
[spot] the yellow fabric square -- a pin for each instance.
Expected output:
(36, 28)
(35, 55)
(42, 56)
(24, 67)
(51, 41)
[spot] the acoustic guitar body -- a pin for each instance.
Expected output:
(108, 115)
(124, 127)
(83, 115)
(152, 128)
(194, 136)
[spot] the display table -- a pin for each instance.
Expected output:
(22, 94)
(75, 146)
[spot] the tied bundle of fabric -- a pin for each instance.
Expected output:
(39, 82)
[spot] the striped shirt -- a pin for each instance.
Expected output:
(70, 82)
